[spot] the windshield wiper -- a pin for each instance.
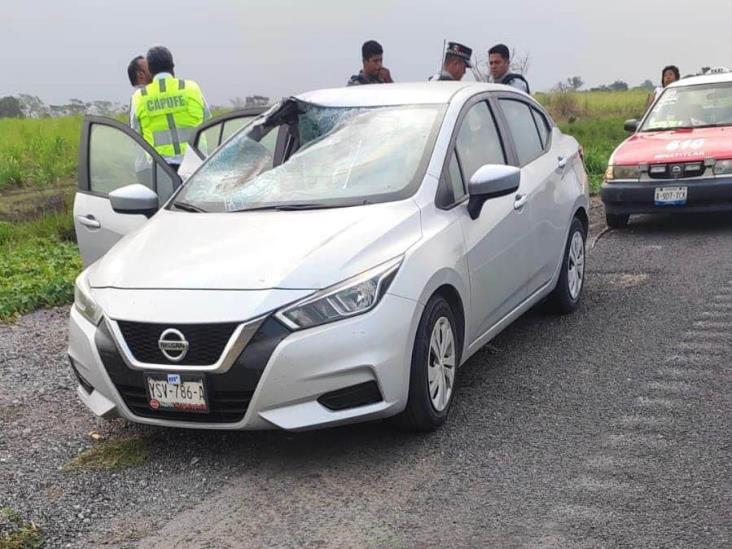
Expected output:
(673, 128)
(303, 206)
(186, 207)
(289, 207)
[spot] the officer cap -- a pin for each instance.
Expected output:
(461, 51)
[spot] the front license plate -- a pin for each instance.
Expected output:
(176, 392)
(670, 196)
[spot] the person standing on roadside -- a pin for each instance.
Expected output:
(373, 71)
(499, 66)
(138, 73)
(139, 76)
(455, 61)
(168, 109)
(669, 75)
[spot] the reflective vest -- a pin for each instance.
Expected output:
(168, 110)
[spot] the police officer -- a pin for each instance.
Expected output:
(167, 110)
(456, 60)
(499, 64)
(373, 71)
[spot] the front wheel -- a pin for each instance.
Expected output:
(566, 295)
(435, 359)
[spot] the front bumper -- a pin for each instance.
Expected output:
(703, 195)
(275, 382)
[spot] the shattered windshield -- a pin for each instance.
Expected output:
(344, 156)
(703, 106)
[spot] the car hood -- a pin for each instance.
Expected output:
(310, 249)
(674, 146)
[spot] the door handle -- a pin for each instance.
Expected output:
(520, 202)
(562, 162)
(89, 221)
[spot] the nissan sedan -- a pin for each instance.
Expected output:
(336, 259)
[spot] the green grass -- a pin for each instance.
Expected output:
(15, 533)
(582, 105)
(38, 152)
(39, 261)
(598, 138)
(595, 119)
(111, 455)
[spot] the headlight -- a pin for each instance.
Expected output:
(84, 302)
(622, 172)
(352, 297)
(723, 167)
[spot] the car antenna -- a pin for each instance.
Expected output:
(479, 76)
(442, 56)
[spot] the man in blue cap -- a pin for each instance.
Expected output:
(456, 60)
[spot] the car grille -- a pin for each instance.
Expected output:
(228, 393)
(206, 342)
(676, 170)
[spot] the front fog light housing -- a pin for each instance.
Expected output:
(723, 167)
(83, 301)
(352, 297)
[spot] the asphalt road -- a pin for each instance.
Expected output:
(607, 428)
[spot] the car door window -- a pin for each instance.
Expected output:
(165, 184)
(215, 131)
(233, 125)
(116, 160)
(523, 130)
(478, 142)
(456, 179)
(542, 126)
(210, 138)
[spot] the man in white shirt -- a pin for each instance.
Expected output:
(139, 76)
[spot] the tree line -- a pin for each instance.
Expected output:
(31, 106)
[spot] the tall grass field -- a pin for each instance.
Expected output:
(38, 152)
(38, 255)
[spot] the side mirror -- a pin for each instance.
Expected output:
(631, 125)
(491, 181)
(134, 199)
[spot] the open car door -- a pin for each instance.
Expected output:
(112, 156)
(212, 133)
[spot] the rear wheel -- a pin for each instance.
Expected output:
(617, 221)
(435, 359)
(566, 295)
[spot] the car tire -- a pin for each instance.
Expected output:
(566, 295)
(617, 221)
(432, 378)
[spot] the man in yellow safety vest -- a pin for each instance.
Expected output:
(166, 111)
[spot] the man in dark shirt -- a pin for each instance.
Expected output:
(373, 71)
(499, 64)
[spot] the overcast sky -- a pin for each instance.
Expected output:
(59, 49)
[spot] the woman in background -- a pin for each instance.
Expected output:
(669, 75)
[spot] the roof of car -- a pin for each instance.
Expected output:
(415, 93)
(716, 78)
